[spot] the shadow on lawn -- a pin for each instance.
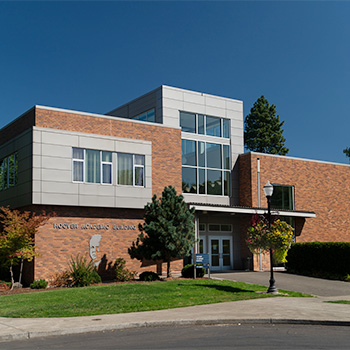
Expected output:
(227, 289)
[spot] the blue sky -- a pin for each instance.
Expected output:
(93, 56)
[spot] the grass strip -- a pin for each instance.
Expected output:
(339, 301)
(129, 297)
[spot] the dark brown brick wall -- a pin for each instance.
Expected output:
(323, 188)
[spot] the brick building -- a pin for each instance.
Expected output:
(96, 172)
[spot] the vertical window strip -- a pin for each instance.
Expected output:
(9, 171)
(106, 168)
(78, 164)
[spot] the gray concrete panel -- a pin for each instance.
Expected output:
(59, 138)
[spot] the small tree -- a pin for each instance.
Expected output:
(263, 129)
(168, 229)
(346, 151)
(17, 237)
(261, 239)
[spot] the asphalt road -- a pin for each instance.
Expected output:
(247, 337)
(309, 285)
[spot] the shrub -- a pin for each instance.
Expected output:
(320, 259)
(149, 276)
(83, 272)
(39, 284)
(61, 279)
(122, 274)
(188, 271)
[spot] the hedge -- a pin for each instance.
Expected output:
(323, 259)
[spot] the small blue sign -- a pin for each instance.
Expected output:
(202, 259)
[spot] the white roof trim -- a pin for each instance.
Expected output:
(252, 211)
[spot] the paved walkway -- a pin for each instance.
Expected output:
(295, 283)
(269, 310)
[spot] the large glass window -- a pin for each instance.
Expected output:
(188, 122)
(282, 197)
(213, 126)
(205, 168)
(9, 171)
(131, 169)
(189, 180)
(148, 116)
(214, 155)
(205, 125)
(189, 152)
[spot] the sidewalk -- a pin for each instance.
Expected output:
(268, 310)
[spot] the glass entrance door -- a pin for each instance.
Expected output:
(221, 253)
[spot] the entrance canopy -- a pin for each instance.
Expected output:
(250, 210)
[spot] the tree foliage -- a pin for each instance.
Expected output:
(168, 229)
(263, 129)
(346, 151)
(17, 237)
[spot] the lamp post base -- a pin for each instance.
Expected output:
(272, 288)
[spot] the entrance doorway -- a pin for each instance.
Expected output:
(220, 249)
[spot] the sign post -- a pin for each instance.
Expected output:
(202, 260)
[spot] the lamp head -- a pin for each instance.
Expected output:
(268, 189)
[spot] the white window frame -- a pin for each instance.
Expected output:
(106, 163)
(134, 166)
(138, 166)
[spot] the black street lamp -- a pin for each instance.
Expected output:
(268, 190)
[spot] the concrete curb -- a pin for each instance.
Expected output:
(112, 327)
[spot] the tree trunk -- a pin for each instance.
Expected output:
(20, 272)
(12, 280)
(168, 273)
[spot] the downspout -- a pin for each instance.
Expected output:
(196, 239)
(259, 203)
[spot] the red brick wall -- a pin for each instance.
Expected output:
(166, 142)
(57, 245)
(319, 187)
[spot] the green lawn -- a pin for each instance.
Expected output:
(130, 297)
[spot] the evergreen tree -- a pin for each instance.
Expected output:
(263, 129)
(346, 151)
(168, 229)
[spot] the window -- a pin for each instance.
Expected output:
(92, 166)
(106, 167)
(282, 197)
(149, 116)
(201, 227)
(220, 227)
(213, 126)
(9, 171)
(188, 122)
(131, 169)
(205, 168)
(205, 125)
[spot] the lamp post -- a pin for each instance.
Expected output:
(268, 190)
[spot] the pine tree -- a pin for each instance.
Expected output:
(263, 129)
(346, 151)
(168, 229)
